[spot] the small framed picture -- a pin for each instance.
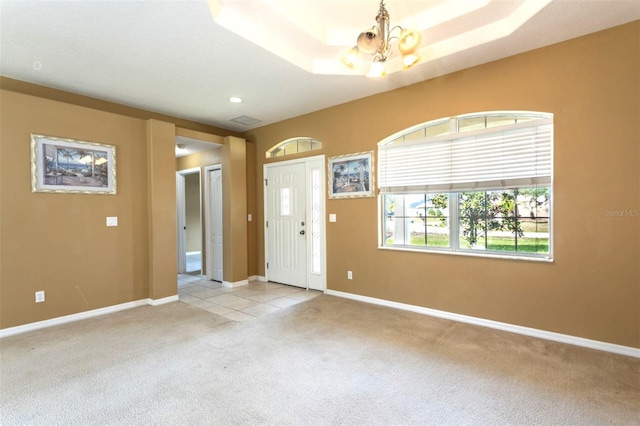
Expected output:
(72, 166)
(351, 175)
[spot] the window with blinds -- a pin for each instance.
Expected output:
(473, 183)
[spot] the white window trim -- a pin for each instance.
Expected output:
(539, 119)
(454, 236)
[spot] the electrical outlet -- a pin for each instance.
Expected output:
(349, 275)
(39, 296)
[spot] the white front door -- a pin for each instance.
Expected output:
(294, 228)
(286, 231)
(214, 212)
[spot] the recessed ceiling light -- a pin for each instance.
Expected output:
(235, 99)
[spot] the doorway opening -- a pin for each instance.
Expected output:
(189, 215)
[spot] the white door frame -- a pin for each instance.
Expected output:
(315, 280)
(182, 215)
(211, 206)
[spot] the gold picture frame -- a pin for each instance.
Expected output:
(72, 166)
(351, 175)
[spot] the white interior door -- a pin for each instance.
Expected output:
(214, 237)
(285, 226)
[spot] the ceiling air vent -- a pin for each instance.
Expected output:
(247, 121)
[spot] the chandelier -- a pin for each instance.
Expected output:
(377, 41)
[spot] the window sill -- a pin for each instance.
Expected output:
(492, 255)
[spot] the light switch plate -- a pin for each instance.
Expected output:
(332, 217)
(112, 221)
(249, 217)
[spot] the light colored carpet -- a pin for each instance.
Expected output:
(328, 361)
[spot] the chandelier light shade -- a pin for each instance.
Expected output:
(409, 41)
(350, 58)
(377, 41)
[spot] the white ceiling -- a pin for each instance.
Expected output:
(186, 58)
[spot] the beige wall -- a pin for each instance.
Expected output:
(253, 205)
(161, 209)
(234, 206)
(592, 289)
(59, 243)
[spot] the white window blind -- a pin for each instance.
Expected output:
(509, 156)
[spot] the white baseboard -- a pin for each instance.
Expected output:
(235, 283)
(6, 332)
(158, 302)
(258, 278)
(532, 332)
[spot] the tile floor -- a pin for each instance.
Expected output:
(239, 303)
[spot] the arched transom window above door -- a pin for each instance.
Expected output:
(293, 146)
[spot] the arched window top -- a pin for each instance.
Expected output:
(464, 123)
(293, 146)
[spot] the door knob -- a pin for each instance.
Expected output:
(302, 232)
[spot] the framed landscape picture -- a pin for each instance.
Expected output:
(351, 175)
(72, 166)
